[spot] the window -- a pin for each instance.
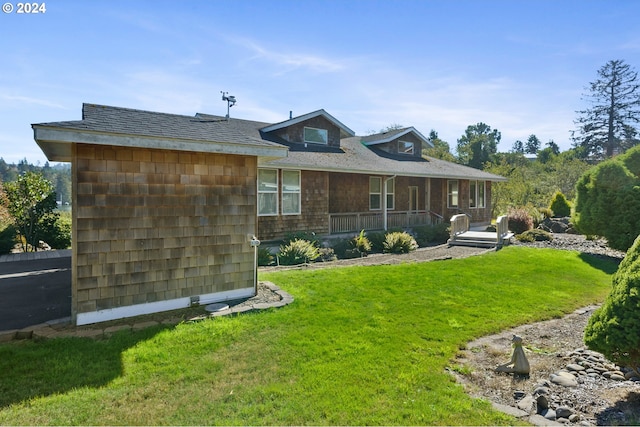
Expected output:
(476, 194)
(391, 193)
(405, 147)
(375, 193)
(267, 192)
(316, 136)
(452, 193)
(413, 199)
(291, 192)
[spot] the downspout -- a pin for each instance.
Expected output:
(254, 242)
(384, 200)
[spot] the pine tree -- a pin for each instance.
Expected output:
(608, 126)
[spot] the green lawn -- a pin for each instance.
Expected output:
(359, 346)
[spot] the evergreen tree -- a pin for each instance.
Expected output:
(533, 145)
(607, 127)
(614, 328)
(478, 145)
(440, 149)
(608, 200)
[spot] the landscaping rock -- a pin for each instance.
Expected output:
(564, 379)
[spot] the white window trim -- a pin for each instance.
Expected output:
(315, 142)
(449, 193)
(391, 206)
(268, 192)
(379, 193)
(480, 202)
(414, 193)
(299, 193)
(408, 143)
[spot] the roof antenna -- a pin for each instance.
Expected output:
(231, 101)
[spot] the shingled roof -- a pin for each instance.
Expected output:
(210, 133)
(105, 125)
(355, 157)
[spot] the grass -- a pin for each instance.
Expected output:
(359, 346)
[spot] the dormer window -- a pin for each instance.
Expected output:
(316, 136)
(405, 147)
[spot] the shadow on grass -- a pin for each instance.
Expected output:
(603, 263)
(39, 368)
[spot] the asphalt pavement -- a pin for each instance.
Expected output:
(34, 289)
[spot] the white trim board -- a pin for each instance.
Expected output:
(159, 306)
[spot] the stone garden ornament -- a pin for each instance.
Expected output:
(518, 363)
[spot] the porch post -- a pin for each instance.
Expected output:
(384, 202)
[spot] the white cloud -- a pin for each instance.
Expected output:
(288, 62)
(30, 101)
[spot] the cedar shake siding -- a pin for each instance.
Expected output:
(154, 225)
(295, 133)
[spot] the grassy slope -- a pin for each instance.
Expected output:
(361, 345)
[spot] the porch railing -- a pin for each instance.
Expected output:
(354, 222)
(459, 224)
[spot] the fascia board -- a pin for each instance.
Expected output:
(58, 143)
(308, 116)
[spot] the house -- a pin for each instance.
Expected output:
(165, 207)
(334, 182)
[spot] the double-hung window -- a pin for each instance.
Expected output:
(452, 193)
(267, 192)
(391, 193)
(375, 193)
(290, 192)
(476, 194)
(316, 136)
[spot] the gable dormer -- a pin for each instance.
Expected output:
(403, 142)
(318, 128)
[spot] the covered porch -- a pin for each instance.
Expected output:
(368, 221)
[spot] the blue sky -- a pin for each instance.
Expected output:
(519, 66)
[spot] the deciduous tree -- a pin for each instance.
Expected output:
(608, 125)
(31, 202)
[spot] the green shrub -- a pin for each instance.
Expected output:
(56, 231)
(309, 236)
(519, 220)
(559, 205)
(265, 257)
(608, 200)
(8, 239)
(427, 235)
(614, 328)
(399, 242)
(361, 243)
(327, 255)
(340, 246)
(535, 235)
(545, 213)
(298, 252)
(377, 241)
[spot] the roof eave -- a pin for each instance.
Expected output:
(348, 132)
(57, 143)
